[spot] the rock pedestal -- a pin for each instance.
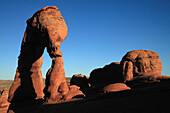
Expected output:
(56, 85)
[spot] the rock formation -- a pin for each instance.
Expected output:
(141, 63)
(46, 28)
(79, 80)
(139, 70)
(108, 74)
(115, 87)
(4, 99)
(74, 91)
(74, 88)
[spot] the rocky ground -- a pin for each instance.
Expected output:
(144, 98)
(152, 99)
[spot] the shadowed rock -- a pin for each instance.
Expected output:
(79, 80)
(46, 28)
(152, 99)
(108, 74)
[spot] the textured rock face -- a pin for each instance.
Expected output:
(55, 81)
(46, 28)
(79, 80)
(73, 92)
(74, 88)
(108, 74)
(115, 87)
(4, 99)
(48, 24)
(141, 63)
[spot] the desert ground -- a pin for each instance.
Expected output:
(145, 98)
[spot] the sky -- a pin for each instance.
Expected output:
(99, 32)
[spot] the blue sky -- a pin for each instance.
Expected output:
(100, 32)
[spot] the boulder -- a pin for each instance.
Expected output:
(108, 74)
(141, 63)
(72, 94)
(79, 80)
(115, 87)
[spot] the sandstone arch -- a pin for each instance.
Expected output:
(46, 28)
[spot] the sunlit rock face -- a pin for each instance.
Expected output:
(4, 99)
(46, 28)
(115, 87)
(141, 63)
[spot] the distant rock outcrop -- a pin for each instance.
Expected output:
(108, 74)
(141, 63)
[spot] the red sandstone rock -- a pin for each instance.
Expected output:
(128, 70)
(46, 28)
(79, 80)
(4, 99)
(56, 81)
(72, 94)
(74, 91)
(108, 74)
(141, 63)
(63, 88)
(115, 87)
(74, 88)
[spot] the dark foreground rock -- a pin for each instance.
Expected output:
(79, 80)
(108, 74)
(151, 99)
